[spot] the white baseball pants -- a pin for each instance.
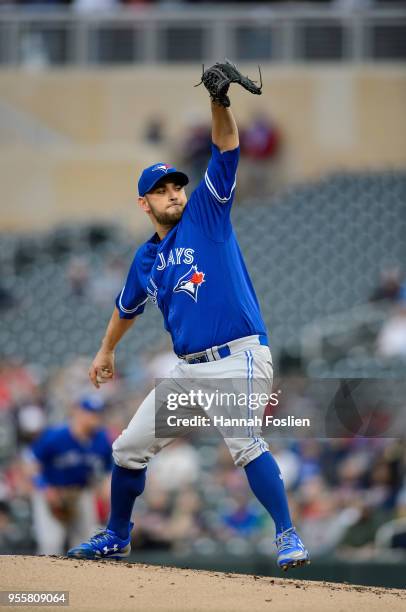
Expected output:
(249, 363)
(51, 535)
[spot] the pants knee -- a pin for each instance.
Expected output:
(245, 451)
(128, 454)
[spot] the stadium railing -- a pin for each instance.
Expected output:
(45, 35)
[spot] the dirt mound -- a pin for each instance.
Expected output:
(108, 585)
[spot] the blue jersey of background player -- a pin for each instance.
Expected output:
(75, 453)
(196, 274)
(68, 462)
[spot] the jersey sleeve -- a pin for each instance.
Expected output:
(210, 203)
(132, 298)
(221, 175)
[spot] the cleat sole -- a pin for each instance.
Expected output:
(293, 564)
(96, 558)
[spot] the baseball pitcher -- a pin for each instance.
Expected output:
(192, 269)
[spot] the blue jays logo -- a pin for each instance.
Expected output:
(162, 168)
(190, 282)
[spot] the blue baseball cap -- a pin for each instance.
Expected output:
(92, 403)
(151, 175)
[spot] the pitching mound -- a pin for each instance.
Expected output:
(97, 586)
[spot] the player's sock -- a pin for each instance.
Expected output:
(126, 485)
(267, 485)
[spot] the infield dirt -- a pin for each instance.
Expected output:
(99, 586)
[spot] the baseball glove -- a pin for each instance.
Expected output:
(218, 78)
(63, 503)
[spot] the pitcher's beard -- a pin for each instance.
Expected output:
(169, 219)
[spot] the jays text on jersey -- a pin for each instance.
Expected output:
(196, 275)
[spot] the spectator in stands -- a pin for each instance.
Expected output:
(78, 276)
(17, 384)
(159, 364)
(196, 148)
(153, 519)
(155, 131)
(401, 503)
(261, 140)
(243, 517)
(30, 422)
(361, 534)
(388, 287)
(105, 286)
(391, 341)
(8, 531)
(310, 465)
(185, 521)
(260, 146)
(6, 298)
(178, 468)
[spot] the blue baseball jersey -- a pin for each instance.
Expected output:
(65, 460)
(196, 275)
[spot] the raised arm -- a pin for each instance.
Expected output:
(102, 368)
(224, 131)
(217, 80)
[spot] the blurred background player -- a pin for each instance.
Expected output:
(69, 461)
